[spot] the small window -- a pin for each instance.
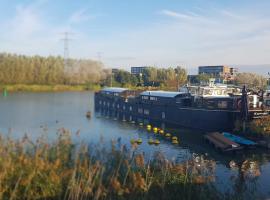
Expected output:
(140, 110)
(118, 106)
(222, 104)
(163, 115)
(153, 98)
(146, 111)
(124, 107)
(130, 108)
(145, 97)
(100, 102)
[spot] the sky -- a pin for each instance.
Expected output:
(124, 33)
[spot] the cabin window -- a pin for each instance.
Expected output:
(163, 115)
(130, 108)
(100, 102)
(124, 107)
(140, 110)
(146, 111)
(153, 98)
(113, 105)
(116, 94)
(267, 102)
(178, 100)
(222, 104)
(210, 104)
(108, 104)
(104, 103)
(118, 106)
(144, 97)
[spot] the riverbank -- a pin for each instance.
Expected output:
(48, 88)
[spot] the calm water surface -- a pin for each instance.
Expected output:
(36, 113)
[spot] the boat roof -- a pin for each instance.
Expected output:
(160, 93)
(114, 89)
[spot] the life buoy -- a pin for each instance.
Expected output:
(239, 102)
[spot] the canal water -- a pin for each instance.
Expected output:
(37, 113)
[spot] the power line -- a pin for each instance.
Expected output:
(99, 55)
(66, 40)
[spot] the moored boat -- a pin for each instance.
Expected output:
(239, 140)
(208, 108)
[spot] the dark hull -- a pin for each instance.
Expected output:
(175, 116)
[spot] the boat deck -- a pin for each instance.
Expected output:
(222, 143)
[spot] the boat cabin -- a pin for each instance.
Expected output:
(165, 97)
(119, 92)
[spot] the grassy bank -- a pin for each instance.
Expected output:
(63, 170)
(48, 88)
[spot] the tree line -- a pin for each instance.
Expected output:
(20, 69)
(151, 76)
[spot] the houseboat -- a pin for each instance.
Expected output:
(208, 108)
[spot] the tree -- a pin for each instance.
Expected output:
(252, 80)
(203, 78)
(181, 75)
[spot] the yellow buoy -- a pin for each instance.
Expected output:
(155, 129)
(150, 141)
(148, 127)
(168, 135)
(156, 142)
(161, 132)
(132, 141)
(175, 142)
(174, 138)
(139, 141)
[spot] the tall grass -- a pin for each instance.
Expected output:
(49, 88)
(62, 170)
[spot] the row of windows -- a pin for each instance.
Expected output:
(113, 105)
(140, 110)
(151, 98)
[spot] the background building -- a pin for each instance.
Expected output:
(138, 70)
(222, 73)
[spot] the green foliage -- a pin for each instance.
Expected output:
(125, 78)
(260, 127)
(252, 80)
(203, 78)
(169, 77)
(16, 69)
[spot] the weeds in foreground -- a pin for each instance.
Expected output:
(63, 170)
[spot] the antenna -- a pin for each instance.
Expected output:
(66, 40)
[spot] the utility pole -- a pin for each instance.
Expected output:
(66, 40)
(111, 78)
(99, 55)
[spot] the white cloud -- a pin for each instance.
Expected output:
(174, 14)
(25, 22)
(80, 16)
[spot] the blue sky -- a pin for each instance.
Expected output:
(141, 32)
